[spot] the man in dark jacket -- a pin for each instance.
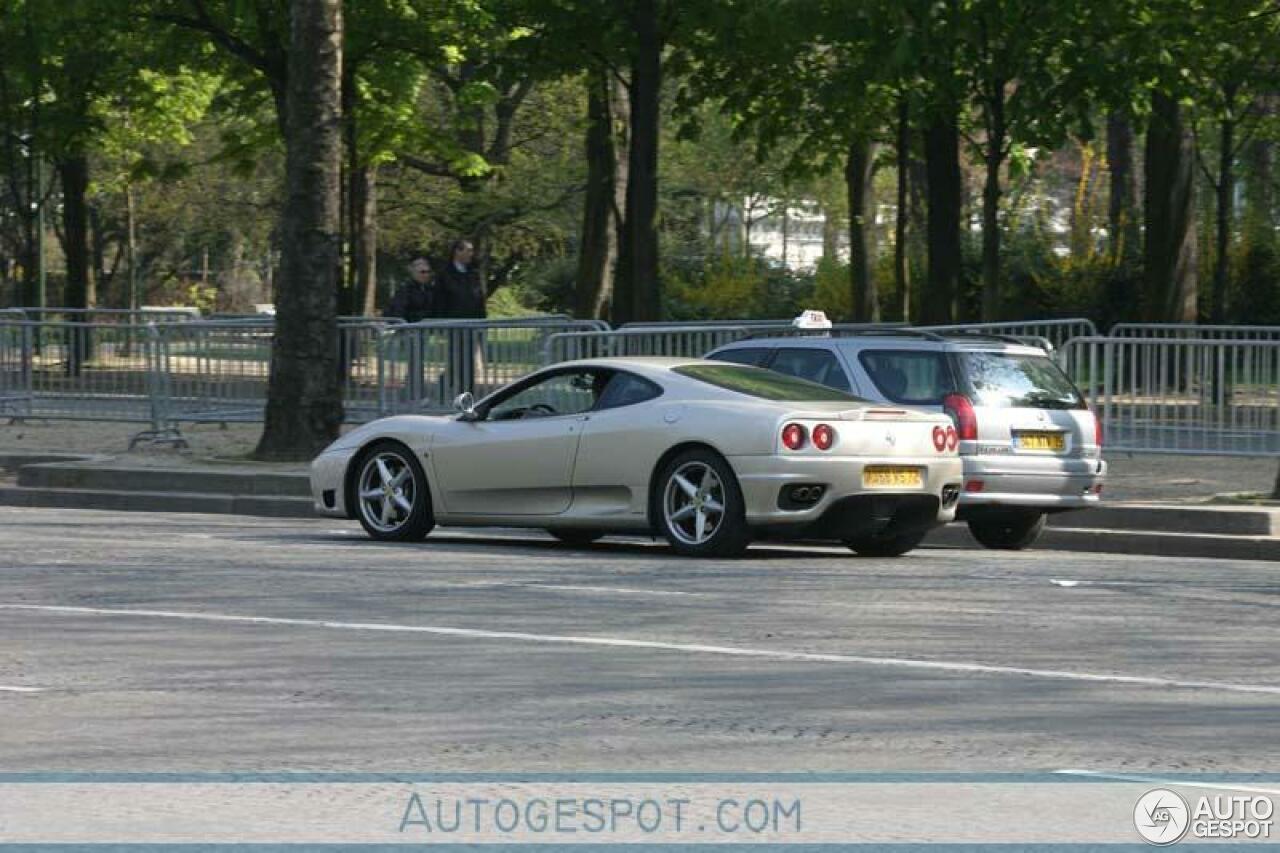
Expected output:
(417, 299)
(463, 297)
(414, 301)
(460, 285)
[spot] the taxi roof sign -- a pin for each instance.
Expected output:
(812, 320)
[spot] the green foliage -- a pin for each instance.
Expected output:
(731, 286)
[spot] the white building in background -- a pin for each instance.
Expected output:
(789, 234)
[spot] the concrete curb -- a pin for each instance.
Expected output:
(1105, 541)
(271, 506)
(107, 477)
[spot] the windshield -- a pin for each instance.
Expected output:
(1011, 380)
(764, 384)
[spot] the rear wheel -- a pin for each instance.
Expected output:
(1008, 530)
(699, 506)
(886, 546)
(391, 497)
(571, 536)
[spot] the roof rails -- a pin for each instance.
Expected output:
(899, 331)
(846, 329)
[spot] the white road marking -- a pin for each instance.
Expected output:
(8, 689)
(1156, 780)
(621, 590)
(692, 648)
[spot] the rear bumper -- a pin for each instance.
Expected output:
(1049, 484)
(844, 500)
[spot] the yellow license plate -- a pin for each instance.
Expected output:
(1040, 441)
(891, 476)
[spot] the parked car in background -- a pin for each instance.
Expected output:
(1029, 443)
(708, 455)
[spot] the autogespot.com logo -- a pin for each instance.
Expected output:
(1161, 816)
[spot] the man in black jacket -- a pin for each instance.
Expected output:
(414, 301)
(462, 296)
(460, 285)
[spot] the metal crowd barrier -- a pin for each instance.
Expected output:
(1193, 330)
(112, 316)
(681, 341)
(423, 366)
(78, 370)
(1186, 395)
(1056, 332)
(219, 371)
(15, 366)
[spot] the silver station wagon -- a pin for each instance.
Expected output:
(1028, 442)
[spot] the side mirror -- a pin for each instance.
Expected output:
(465, 405)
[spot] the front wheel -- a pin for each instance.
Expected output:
(699, 506)
(1008, 531)
(886, 546)
(392, 500)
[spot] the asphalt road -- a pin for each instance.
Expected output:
(150, 642)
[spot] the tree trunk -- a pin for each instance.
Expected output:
(304, 405)
(1169, 255)
(857, 176)
(74, 172)
(1259, 193)
(1226, 191)
(994, 157)
(132, 300)
(901, 266)
(1124, 238)
(599, 244)
(639, 295)
(364, 238)
(942, 166)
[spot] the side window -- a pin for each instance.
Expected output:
(561, 394)
(626, 389)
(816, 365)
(754, 356)
(910, 377)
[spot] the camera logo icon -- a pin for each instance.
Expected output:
(1161, 816)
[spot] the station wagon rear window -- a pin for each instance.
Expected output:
(909, 377)
(1004, 379)
(764, 384)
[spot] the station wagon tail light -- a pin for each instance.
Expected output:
(823, 437)
(793, 436)
(961, 411)
(1097, 429)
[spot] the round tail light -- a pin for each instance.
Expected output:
(793, 436)
(939, 439)
(953, 438)
(823, 437)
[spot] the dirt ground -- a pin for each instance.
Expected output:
(209, 444)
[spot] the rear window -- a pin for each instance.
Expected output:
(764, 384)
(816, 365)
(1010, 380)
(746, 355)
(909, 377)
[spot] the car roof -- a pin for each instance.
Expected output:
(638, 364)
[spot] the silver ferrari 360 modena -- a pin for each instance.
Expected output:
(709, 455)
